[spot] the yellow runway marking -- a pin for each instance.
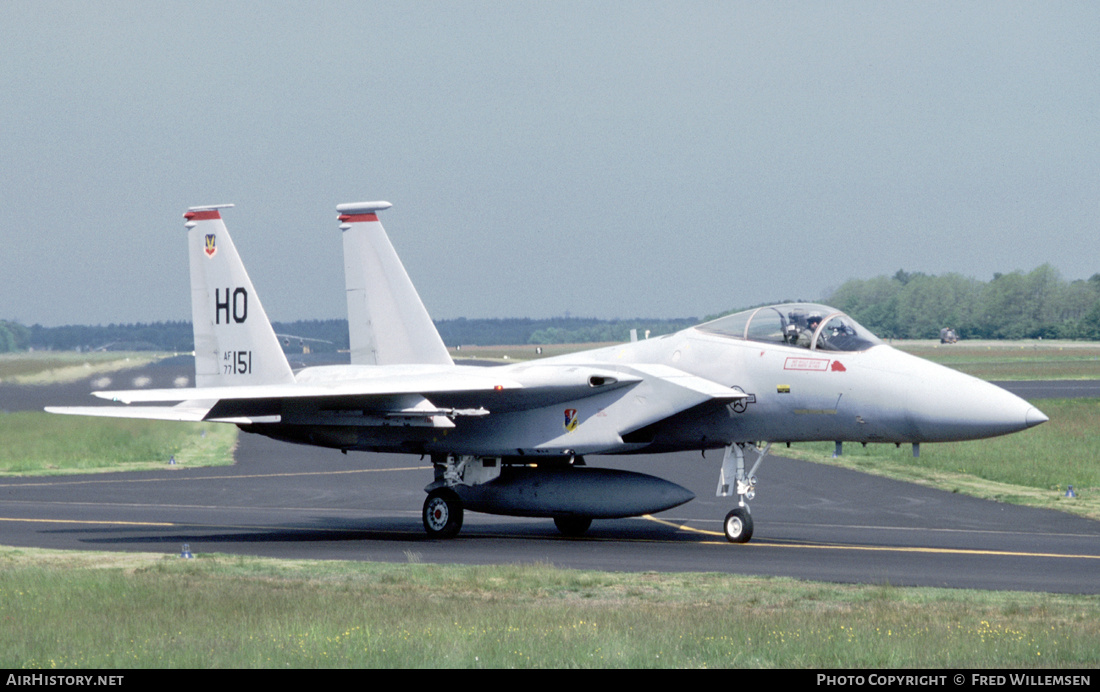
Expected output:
(675, 525)
(211, 478)
(871, 548)
(683, 527)
(185, 525)
(84, 521)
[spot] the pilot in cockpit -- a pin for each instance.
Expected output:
(800, 330)
(807, 337)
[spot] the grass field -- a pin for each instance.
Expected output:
(96, 610)
(1014, 360)
(52, 367)
(42, 443)
(519, 352)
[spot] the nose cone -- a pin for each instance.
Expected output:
(946, 405)
(1034, 417)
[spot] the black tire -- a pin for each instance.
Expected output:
(573, 527)
(442, 513)
(738, 525)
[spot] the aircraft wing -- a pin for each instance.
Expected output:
(428, 396)
(401, 393)
(361, 388)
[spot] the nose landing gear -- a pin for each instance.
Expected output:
(738, 523)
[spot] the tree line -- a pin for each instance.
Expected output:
(13, 336)
(1018, 305)
(1036, 305)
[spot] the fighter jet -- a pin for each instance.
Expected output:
(513, 439)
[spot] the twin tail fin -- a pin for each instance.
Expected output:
(234, 341)
(387, 321)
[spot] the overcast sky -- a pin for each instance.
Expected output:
(605, 159)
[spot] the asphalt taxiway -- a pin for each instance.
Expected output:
(812, 521)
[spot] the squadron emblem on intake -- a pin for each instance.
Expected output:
(570, 419)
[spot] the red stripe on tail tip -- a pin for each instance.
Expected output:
(354, 218)
(202, 215)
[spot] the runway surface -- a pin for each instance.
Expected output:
(812, 521)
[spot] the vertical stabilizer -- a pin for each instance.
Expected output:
(387, 322)
(234, 341)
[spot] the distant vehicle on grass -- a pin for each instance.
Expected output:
(948, 336)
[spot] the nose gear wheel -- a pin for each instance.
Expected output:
(738, 525)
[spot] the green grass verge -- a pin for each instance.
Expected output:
(1014, 360)
(520, 352)
(42, 443)
(54, 367)
(95, 610)
(1033, 467)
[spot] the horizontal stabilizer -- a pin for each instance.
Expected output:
(172, 413)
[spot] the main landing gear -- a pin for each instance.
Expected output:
(444, 508)
(443, 517)
(738, 523)
(442, 513)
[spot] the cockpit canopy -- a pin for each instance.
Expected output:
(806, 325)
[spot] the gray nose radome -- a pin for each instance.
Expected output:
(1034, 417)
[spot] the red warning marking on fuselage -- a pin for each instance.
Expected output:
(810, 364)
(837, 366)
